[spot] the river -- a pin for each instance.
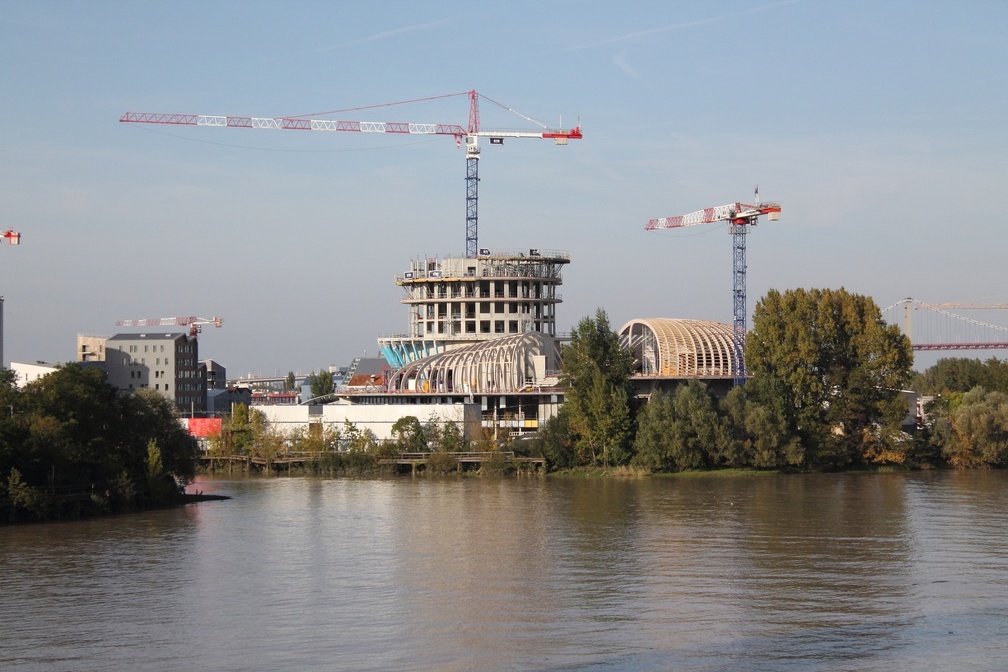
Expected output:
(779, 572)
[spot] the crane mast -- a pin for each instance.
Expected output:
(740, 216)
(469, 135)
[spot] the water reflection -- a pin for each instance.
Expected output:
(845, 571)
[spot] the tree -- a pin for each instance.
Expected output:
(758, 424)
(962, 374)
(596, 373)
(556, 442)
(975, 430)
(321, 384)
(268, 443)
(452, 439)
(841, 365)
(158, 483)
(12, 426)
(685, 431)
(290, 383)
(409, 434)
(76, 431)
(74, 435)
(240, 430)
(315, 439)
(698, 435)
(652, 443)
(153, 418)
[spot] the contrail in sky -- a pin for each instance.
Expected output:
(677, 26)
(390, 33)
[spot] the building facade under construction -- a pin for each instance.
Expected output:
(482, 332)
(482, 344)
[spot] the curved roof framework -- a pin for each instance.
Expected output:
(665, 347)
(501, 365)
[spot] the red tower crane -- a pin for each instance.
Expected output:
(194, 323)
(470, 135)
(739, 216)
(12, 236)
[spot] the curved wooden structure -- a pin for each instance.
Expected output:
(676, 348)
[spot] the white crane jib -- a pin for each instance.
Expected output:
(194, 323)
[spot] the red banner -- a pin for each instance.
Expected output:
(204, 427)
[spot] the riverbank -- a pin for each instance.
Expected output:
(86, 505)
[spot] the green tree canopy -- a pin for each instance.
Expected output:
(972, 430)
(72, 430)
(596, 372)
(321, 384)
(842, 368)
(409, 434)
(555, 441)
(962, 374)
(682, 432)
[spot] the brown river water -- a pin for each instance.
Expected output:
(797, 572)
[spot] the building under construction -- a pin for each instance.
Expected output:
(481, 349)
(481, 330)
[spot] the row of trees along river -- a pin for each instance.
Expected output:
(824, 395)
(72, 445)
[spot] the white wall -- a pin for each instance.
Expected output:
(378, 418)
(25, 373)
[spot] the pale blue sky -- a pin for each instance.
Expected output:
(882, 127)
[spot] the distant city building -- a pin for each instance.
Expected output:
(273, 397)
(26, 373)
(167, 363)
(458, 302)
(216, 375)
(90, 348)
(221, 402)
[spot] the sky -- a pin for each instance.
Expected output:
(880, 127)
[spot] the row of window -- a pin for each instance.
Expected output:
(147, 348)
(441, 310)
(167, 387)
(513, 327)
(161, 374)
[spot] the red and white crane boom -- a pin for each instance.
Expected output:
(470, 135)
(736, 213)
(739, 216)
(302, 124)
(194, 323)
(12, 236)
